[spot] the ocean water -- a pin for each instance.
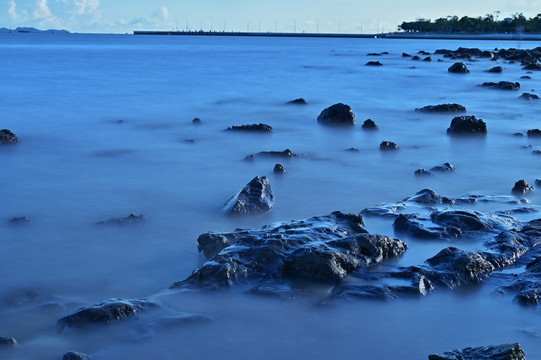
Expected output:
(105, 123)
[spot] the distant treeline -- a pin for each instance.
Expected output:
(487, 24)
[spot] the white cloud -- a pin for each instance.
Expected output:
(42, 10)
(165, 12)
(87, 6)
(13, 10)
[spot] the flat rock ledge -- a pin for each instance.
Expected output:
(255, 198)
(443, 108)
(491, 352)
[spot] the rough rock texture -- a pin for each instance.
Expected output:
(279, 169)
(255, 198)
(7, 137)
(462, 125)
(492, 352)
(75, 356)
(403, 224)
(369, 124)
(443, 168)
(458, 68)
(337, 114)
(534, 133)
(6, 342)
(502, 85)
(522, 187)
(388, 145)
(374, 63)
(445, 108)
(528, 96)
(299, 101)
(322, 248)
(252, 128)
(105, 313)
(496, 69)
(131, 219)
(422, 172)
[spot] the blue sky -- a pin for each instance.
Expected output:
(353, 16)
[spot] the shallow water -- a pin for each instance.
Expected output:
(103, 122)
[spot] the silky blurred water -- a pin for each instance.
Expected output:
(104, 122)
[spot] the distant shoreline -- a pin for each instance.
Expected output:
(526, 37)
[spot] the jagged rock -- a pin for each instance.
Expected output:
(7, 342)
(428, 197)
(253, 127)
(422, 172)
(388, 145)
(299, 101)
(7, 137)
(286, 154)
(467, 125)
(105, 313)
(428, 58)
(374, 63)
(446, 167)
(423, 52)
(337, 114)
(534, 133)
(522, 187)
(196, 121)
(496, 69)
(279, 169)
(75, 356)
(369, 124)
(447, 108)
(323, 248)
(131, 219)
(458, 68)
(255, 198)
(528, 96)
(492, 352)
(532, 67)
(502, 85)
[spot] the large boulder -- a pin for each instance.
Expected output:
(458, 68)
(522, 187)
(255, 198)
(7, 137)
(337, 114)
(492, 352)
(462, 125)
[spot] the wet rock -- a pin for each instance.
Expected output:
(105, 313)
(534, 133)
(445, 108)
(369, 124)
(403, 224)
(458, 68)
(7, 137)
(526, 77)
(131, 219)
(279, 169)
(406, 55)
(428, 58)
(462, 220)
(496, 69)
(388, 145)
(492, 352)
(255, 198)
(196, 121)
(416, 58)
(423, 52)
(422, 172)
(374, 63)
(251, 128)
(19, 220)
(299, 101)
(286, 154)
(428, 197)
(522, 187)
(462, 125)
(6, 342)
(532, 67)
(502, 85)
(323, 248)
(75, 356)
(373, 54)
(444, 168)
(337, 114)
(528, 96)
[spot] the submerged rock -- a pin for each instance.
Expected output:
(19, 220)
(299, 101)
(428, 58)
(422, 172)
(75, 356)
(105, 313)
(496, 69)
(416, 58)
(428, 197)
(374, 63)
(458, 68)
(369, 124)
(528, 96)
(403, 224)
(406, 55)
(279, 169)
(522, 187)
(447, 108)
(337, 114)
(445, 167)
(6, 342)
(492, 352)
(131, 219)
(255, 198)
(502, 85)
(286, 154)
(7, 137)
(253, 127)
(388, 145)
(466, 124)
(196, 121)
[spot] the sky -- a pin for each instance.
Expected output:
(345, 16)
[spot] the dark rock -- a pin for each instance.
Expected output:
(131, 219)
(526, 77)
(19, 220)
(428, 58)
(534, 133)
(458, 68)
(538, 182)
(428, 197)
(388, 145)
(422, 172)
(75, 356)
(406, 55)
(446, 167)
(279, 169)
(522, 187)
(403, 224)
(467, 125)
(7, 342)
(189, 141)
(353, 149)
(422, 52)
(286, 154)
(528, 96)
(299, 101)
(196, 121)
(496, 69)
(487, 54)
(324, 248)
(374, 63)
(338, 114)
(502, 85)
(255, 198)
(373, 54)
(532, 67)
(462, 220)
(253, 127)
(492, 352)
(447, 108)
(105, 313)
(7, 137)
(369, 124)
(416, 58)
